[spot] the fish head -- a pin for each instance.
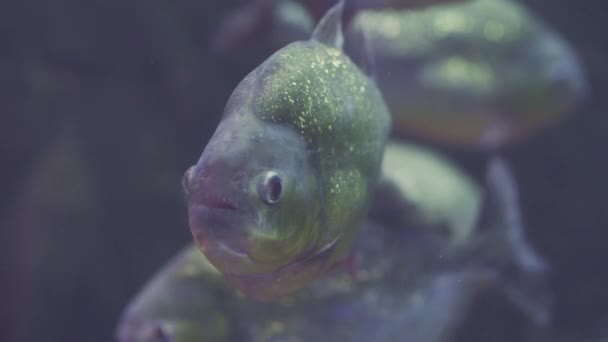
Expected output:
(252, 196)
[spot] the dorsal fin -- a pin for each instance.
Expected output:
(329, 28)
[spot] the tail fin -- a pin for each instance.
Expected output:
(522, 272)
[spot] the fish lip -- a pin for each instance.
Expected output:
(214, 201)
(206, 212)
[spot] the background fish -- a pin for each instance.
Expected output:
(474, 73)
(277, 196)
(420, 187)
(183, 302)
(410, 287)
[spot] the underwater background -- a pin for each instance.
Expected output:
(106, 103)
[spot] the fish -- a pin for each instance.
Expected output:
(183, 302)
(420, 187)
(479, 74)
(276, 199)
(409, 287)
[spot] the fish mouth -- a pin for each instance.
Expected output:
(219, 224)
(215, 201)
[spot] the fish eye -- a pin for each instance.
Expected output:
(270, 188)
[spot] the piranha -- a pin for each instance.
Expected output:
(476, 73)
(278, 194)
(183, 302)
(413, 284)
(420, 187)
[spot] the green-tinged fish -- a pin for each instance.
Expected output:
(409, 287)
(420, 187)
(474, 73)
(276, 198)
(184, 302)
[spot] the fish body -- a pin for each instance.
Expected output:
(420, 187)
(183, 302)
(479, 73)
(277, 196)
(410, 287)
